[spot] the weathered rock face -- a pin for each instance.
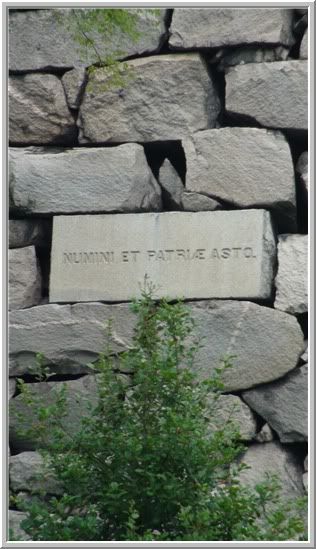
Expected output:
(273, 94)
(171, 184)
(257, 170)
(266, 343)
(251, 54)
(80, 394)
(12, 387)
(166, 97)
(304, 46)
(30, 473)
(274, 459)
(24, 278)
(15, 519)
(40, 39)
(230, 408)
(302, 170)
(38, 112)
(196, 202)
(291, 280)
(265, 435)
(82, 180)
(283, 404)
(69, 336)
(214, 27)
(25, 232)
(74, 82)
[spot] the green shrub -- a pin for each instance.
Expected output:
(144, 465)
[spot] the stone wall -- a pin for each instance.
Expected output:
(213, 118)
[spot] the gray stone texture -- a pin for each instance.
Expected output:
(171, 184)
(284, 405)
(15, 519)
(40, 39)
(265, 435)
(244, 166)
(29, 472)
(44, 181)
(304, 46)
(301, 169)
(273, 94)
(306, 463)
(273, 458)
(214, 27)
(12, 387)
(24, 278)
(252, 54)
(196, 202)
(265, 343)
(38, 112)
(292, 276)
(165, 97)
(230, 408)
(305, 481)
(304, 356)
(80, 394)
(69, 336)
(27, 232)
(73, 82)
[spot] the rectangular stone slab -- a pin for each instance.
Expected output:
(222, 254)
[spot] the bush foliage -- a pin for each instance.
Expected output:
(144, 464)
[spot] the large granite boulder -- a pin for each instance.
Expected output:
(27, 232)
(275, 95)
(16, 532)
(44, 39)
(38, 112)
(265, 343)
(171, 185)
(284, 404)
(80, 395)
(214, 27)
(230, 409)
(69, 336)
(243, 166)
(165, 97)
(30, 472)
(115, 179)
(292, 276)
(273, 459)
(24, 278)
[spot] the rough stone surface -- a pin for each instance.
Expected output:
(265, 435)
(25, 232)
(273, 94)
(284, 405)
(12, 387)
(73, 82)
(304, 356)
(306, 463)
(15, 519)
(165, 98)
(276, 459)
(196, 202)
(79, 394)
(244, 166)
(30, 473)
(69, 336)
(251, 54)
(38, 112)
(304, 46)
(183, 254)
(38, 40)
(171, 184)
(291, 280)
(83, 180)
(305, 481)
(214, 27)
(302, 170)
(24, 278)
(266, 343)
(229, 408)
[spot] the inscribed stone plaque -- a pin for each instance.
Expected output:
(224, 254)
